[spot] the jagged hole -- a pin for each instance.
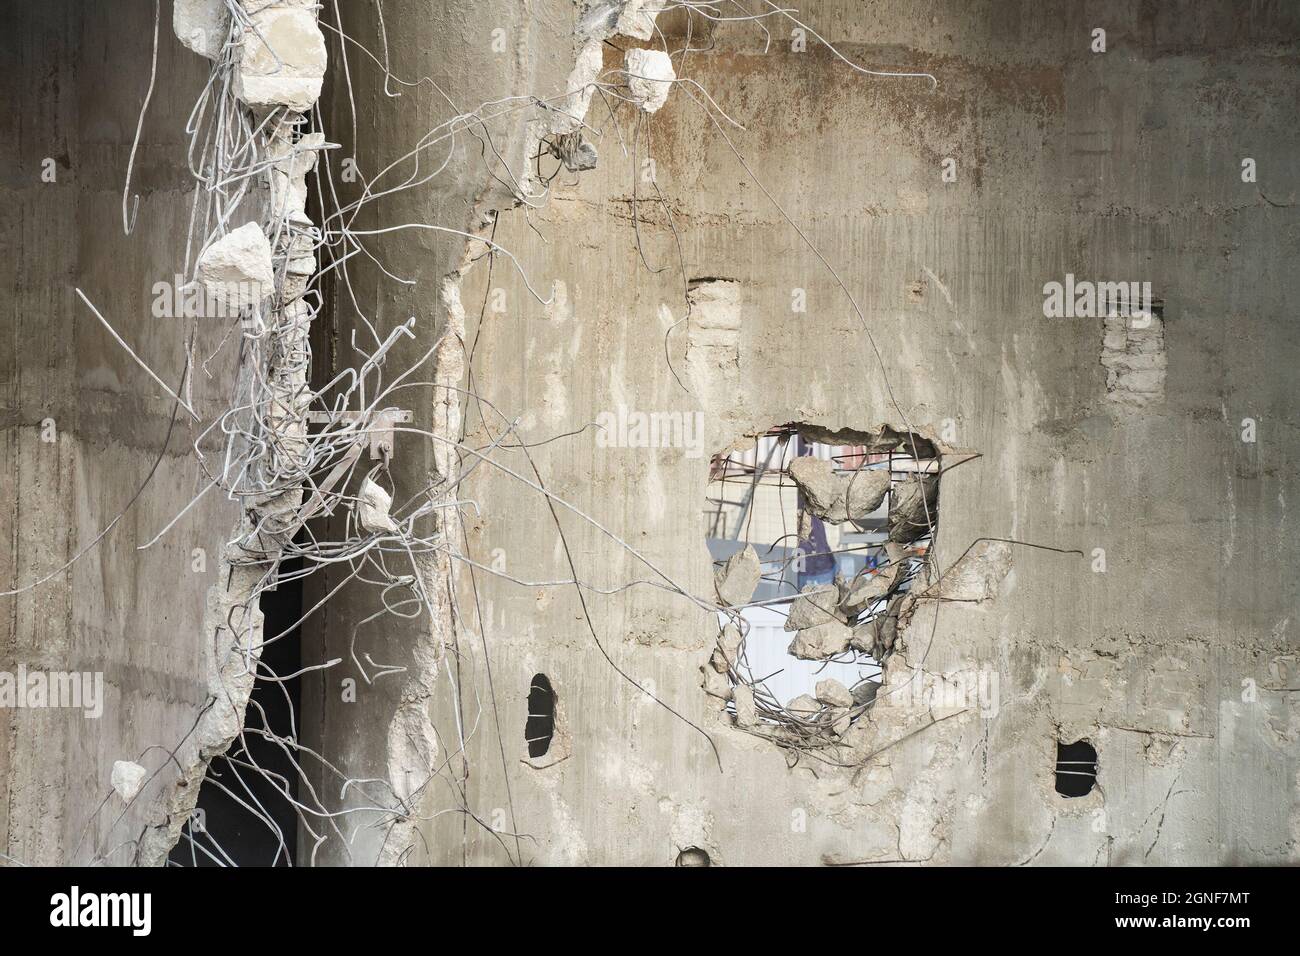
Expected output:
(864, 552)
(1076, 768)
(540, 727)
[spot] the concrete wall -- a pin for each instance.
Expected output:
(1177, 660)
(74, 78)
(1111, 166)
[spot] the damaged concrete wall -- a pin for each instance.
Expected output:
(1157, 458)
(1118, 165)
(83, 425)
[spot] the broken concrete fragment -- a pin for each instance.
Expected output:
(736, 579)
(575, 152)
(816, 604)
(283, 59)
(834, 694)
(127, 778)
(289, 175)
(821, 488)
(865, 490)
(715, 684)
(580, 89)
(858, 593)
(637, 18)
(877, 636)
(821, 642)
(803, 706)
(727, 653)
(743, 697)
(373, 504)
(838, 498)
(201, 25)
(916, 500)
(865, 692)
(977, 575)
(236, 269)
(650, 77)
(841, 721)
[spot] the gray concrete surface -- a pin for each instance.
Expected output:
(1178, 660)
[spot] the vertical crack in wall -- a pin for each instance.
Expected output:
(278, 69)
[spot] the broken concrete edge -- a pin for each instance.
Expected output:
(230, 677)
(231, 667)
(600, 22)
(412, 740)
(561, 742)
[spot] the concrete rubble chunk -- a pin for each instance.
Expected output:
(913, 503)
(821, 488)
(580, 89)
(803, 706)
(978, 575)
(738, 577)
(715, 684)
(821, 642)
(577, 154)
(865, 693)
(743, 698)
(289, 176)
(637, 18)
(373, 504)
(865, 491)
(201, 25)
(858, 593)
(283, 59)
(650, 78)
(236, 269)
(727, 652)
(834, 694)
(877, 636)
(816, 604)
(127, 778)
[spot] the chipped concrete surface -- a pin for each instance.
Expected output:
(1173, 656)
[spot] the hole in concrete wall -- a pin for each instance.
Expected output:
(693, 856)
(540, 727)
(1076, 768)
(815, 537)
(243, 815)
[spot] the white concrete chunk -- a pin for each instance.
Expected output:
(201, 25)
(236, 269)
(127, 778)
(650, 77)
(373, 504)
(283, 60)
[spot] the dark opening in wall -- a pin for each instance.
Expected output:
(693, 856)
(540, 727)
(242, 817)
(1076, 768)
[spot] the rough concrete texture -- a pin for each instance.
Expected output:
(236, 269)
(1067, 161)
(739, 575)
(650, 78)
(283, 63)
(1169, 642)
(82, 425)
